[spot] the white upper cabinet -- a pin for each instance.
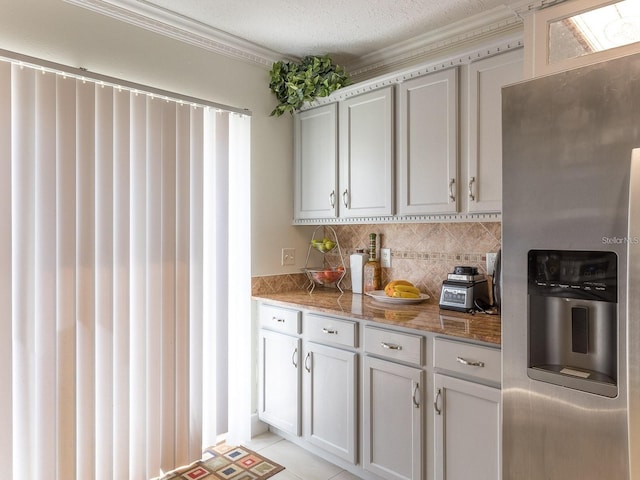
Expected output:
(316, 159)
(358, 182)
(486, 79)
(366, 154)
(424, 145)
(428, 144)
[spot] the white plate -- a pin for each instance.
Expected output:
(380, 296)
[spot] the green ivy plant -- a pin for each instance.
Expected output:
(296, 83)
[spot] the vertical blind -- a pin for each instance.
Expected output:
(113, 211)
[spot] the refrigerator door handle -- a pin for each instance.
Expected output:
(633, 316)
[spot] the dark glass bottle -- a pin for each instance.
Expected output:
(372, 270)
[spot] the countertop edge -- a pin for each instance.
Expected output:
(426, 317)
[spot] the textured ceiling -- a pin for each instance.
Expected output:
(346, 29)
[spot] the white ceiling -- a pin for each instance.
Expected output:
(348, 30)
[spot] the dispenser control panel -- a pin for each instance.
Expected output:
(591, 275)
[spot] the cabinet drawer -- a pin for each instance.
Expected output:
(472, 360)
(323, 329)
(404, 347)
(280, 319)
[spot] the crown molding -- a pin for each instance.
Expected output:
(498, 21)
(398, 76)
(150, 17)
(527, 7)
(489, 24)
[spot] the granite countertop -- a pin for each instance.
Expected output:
(421, 316)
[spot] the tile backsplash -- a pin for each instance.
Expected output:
(423, 253)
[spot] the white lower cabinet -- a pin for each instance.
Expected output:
(393, 413)
(279, 381)
(279, 367)
(393, 419)
(355, 393)
(329, 399)
(467, 411)
(467, 424)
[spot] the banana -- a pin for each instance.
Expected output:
(389, 288)
(406, 288)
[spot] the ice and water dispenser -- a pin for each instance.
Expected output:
(573, 319)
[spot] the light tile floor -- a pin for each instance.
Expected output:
(299, 464)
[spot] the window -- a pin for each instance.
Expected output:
(116, 253)
(581, 32)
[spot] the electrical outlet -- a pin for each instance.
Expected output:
(288, 256)
(491, 262)
(385, 257)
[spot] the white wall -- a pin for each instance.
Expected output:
(59, 32)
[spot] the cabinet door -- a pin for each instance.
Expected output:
(366, 154)
(316, 157)
(329, 406)
(467, 426)
(486, 79)
(428, 136)
(393, 420)
(279, 381)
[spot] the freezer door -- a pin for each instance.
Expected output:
(633, 316)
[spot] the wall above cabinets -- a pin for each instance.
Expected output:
(420, 146)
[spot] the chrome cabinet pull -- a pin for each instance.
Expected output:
(470, 363)
(329, 331)
(452, 195)
(345, 198)
(294, 358)
(416, 403)
(390, 346)
(435, 402)
(472, 197)
(332, 198)
(279, 320)
(306, 362)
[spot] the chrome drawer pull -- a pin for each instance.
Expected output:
(452, 195)
(294, 358)
(306, 362)
(416, 391)
(329, 331)
(469, 362)
(279, 320)
(435, 402)
(390, 346)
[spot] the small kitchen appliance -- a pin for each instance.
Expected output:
(462, 289)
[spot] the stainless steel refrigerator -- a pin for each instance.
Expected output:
(571, 275)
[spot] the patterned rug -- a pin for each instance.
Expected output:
(225, 462)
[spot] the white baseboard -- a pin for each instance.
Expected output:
(257, 426)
